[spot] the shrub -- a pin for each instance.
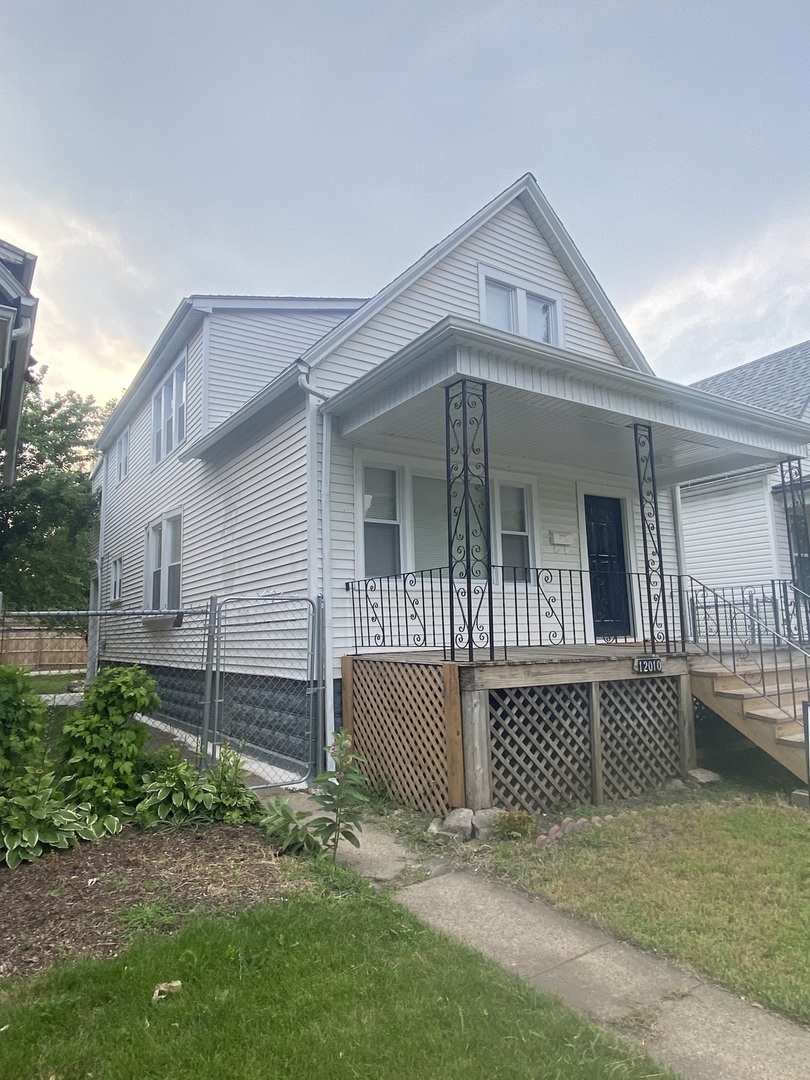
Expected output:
(34, 814)
(22, 716)
(103, 741)
(178, 794)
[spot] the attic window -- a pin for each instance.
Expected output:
(519, 307)
(169, 413)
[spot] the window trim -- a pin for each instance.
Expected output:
(406, 469)
(122, 441)
(157, 408)
(117, 581)
(523, 288)
(165, 564)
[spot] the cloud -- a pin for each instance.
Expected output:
(751, 301)
(92, 295)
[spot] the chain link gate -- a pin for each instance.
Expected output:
(265, 685)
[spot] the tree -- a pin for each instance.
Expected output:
(47, 516)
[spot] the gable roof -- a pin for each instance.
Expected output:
(779, 382)
(527, 190)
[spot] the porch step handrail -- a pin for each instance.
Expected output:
(763, 658)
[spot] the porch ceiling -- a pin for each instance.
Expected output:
(548, 405)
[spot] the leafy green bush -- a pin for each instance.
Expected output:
(289, 829)
(103, 742)
(34, 815)
(178, 794)
(22, 716)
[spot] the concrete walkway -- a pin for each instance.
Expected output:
(679, 1017)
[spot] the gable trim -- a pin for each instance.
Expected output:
(528, 192)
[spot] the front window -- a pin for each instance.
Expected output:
(164, 562)
(381, 521)
(520, 307)
(169, 414)
(514, 531)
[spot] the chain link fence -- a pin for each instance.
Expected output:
(245, 671)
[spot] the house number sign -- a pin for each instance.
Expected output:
(648, 665)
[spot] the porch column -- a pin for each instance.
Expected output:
(651, 538)
(469, 556)
(794, 501)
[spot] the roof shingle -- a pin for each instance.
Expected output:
(779, 382)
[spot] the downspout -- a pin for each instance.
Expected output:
(312, 538)
(21, 331)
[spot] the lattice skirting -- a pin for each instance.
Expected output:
(399, 724)
(556, 745)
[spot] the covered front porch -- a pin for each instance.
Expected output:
(518, 624)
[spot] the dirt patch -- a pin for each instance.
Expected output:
(92, 899)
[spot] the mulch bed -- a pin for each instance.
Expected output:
(76, 902)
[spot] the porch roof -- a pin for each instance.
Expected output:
(551, 404)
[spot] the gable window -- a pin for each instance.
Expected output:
(164, 546)
(116, 580)
(381, 523)
(520, 307)
(169, 413)
(122, 456)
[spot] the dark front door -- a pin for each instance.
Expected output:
(605, 533)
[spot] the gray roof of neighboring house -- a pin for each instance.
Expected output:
(779, 382)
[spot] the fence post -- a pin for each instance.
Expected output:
(208, 700)
(686, 724)
(477, 752)
(453, 738)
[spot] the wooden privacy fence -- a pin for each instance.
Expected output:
(42, 648)
(433, 744)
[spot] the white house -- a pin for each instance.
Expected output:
(477, 459)
(735, 525)
(18, 309)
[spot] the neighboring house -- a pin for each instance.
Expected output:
(476, 460)
(735, 525)
(18, 309)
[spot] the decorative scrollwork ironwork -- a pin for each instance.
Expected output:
(651, 537)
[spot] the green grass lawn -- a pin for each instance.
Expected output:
(722, 883)
(324, 986)
(53, 684)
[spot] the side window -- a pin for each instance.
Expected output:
(116, 581)
(514, 531)
(122, 456)
(164, 557)
(381, 521)
(169, 414)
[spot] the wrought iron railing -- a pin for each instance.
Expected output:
(517, 607)
(726, 625)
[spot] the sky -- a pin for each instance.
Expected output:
(166, 147)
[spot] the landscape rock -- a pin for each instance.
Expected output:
(567, 825)
(554, 832)
(597, 821)
(674, 784)
(484, 822)
(703, 776)
(75, 687)
(434, 827)
(542, 841)
(459, 823)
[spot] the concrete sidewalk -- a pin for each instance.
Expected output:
(679, 1017)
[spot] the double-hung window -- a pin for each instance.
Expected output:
(513, 513)
(519, 307)
(163, 564)
(122, 456)
(169, 413)
(381, 523)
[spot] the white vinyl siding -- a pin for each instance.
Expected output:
(728, 531)
(510, 243)
(246, 350)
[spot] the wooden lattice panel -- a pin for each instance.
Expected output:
(398, 725)
(540, 745)
(640, 746)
